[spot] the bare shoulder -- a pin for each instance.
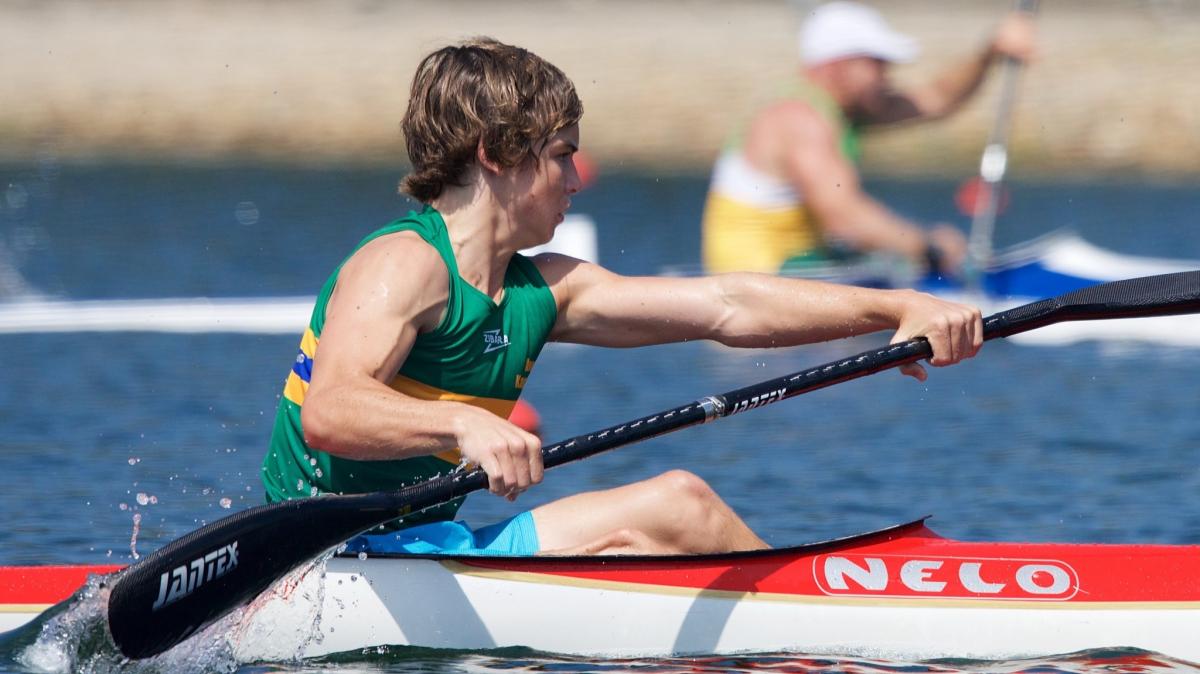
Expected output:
(554, 267)
(395, 274)
(795, 118)
(567, 275)
(785, 128)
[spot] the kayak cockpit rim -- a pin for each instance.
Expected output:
(889, 533)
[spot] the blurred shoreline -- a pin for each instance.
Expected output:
(318, 82)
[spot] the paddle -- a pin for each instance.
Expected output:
(191, 582)
(982, 194)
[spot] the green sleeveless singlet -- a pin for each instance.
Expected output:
(480, 354)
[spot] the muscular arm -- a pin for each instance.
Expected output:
(387, 293)
(748, 310)
(372, 319)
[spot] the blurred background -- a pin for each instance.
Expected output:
(322, 82)
(219, 149)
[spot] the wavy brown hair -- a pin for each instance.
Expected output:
(480, 92)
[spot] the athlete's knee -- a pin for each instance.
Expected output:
(683, 488)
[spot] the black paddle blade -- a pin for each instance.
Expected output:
(1162, 295)
(195, 580)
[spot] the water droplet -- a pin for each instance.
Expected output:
(137, 526)
(362, 555)
(226, 503)
(16, 196)
(134, 460)
(142, 498)
(246, 213)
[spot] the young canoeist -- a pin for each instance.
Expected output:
(422, 339)
(786, 186)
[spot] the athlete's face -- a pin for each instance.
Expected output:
(865, 81)
(543, 187)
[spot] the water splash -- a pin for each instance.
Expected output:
(73, 637)
(284, 621)
(137, 527)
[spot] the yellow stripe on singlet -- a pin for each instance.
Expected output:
(420, 391)
(296, 386)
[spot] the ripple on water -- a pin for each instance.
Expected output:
(1098, 661)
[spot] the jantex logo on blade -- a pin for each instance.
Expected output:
(494, 341)
(183, 580)
(951, 577)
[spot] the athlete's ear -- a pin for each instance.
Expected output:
(486, 162)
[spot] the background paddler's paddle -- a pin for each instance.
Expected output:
(981, 197)
(191, 582)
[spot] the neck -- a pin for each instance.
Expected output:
(477, 226)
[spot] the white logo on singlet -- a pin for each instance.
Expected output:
(494, 341)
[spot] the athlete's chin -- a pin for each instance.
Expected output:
(552, 224)
(544, 232)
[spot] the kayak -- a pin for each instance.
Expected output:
(900, 592)
(27, 591)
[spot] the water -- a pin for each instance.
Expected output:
(1089, 443)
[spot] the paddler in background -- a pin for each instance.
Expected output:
(421, 341)
(785, 190)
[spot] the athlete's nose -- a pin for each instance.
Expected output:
(574, 182)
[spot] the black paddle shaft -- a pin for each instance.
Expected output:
(195, 580)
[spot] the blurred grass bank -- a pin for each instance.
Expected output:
(325, 82)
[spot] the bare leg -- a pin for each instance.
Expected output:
(675, 512)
